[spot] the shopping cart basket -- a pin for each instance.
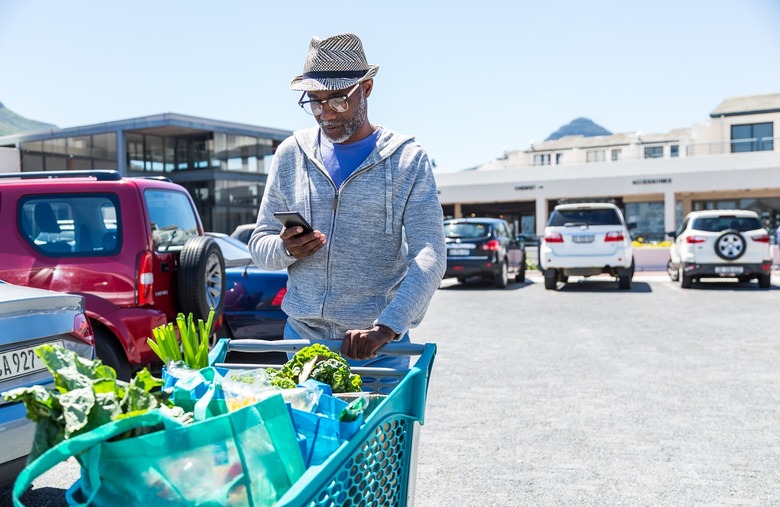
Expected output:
(377, 466)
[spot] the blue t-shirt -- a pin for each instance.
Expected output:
(341, 160)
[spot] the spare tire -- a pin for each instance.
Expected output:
(730, 245)
(201, 278)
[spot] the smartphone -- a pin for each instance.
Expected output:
(293, 218)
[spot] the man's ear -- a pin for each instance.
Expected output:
(367, 86)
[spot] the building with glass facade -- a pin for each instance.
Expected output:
(727, 161)
(223, 165)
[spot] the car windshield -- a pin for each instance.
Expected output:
(721, 223)
(573, 217)
(466, 230)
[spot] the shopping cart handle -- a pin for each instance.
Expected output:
(292, 346)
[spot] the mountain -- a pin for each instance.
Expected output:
(12, 123)
(579, 127)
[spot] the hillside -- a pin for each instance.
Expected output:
(579, 127)
(12, 123)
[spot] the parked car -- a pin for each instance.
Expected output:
(243, 232)
(485, 248)
(253, 296)
(586, 239)
(133, 247)
(720, 244)
(30, 317)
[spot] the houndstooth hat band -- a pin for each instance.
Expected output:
(334, 63)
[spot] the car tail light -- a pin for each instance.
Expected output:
(491, 246)
(761, 238)
(144, 292)
(614, 236)
(82, 329)
(695, 239)
(553, 237)
(277, 300)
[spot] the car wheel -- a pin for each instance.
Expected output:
(685, 280)
(520, 277)
(765, 281)
(624, 282)
(551, 279)
(109, 351)
(674, 274)
(201, 278)
(730, 245)
(501, 278)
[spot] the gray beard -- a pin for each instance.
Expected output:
(351, 126)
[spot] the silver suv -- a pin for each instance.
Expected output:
(586, 239)
(720, 244)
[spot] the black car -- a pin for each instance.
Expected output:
(483, 247)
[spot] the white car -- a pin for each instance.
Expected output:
(720, 244)
(586, 239)
(30, 317)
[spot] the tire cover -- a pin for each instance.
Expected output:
(201, 278)
(730, 245)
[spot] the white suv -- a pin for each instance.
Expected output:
(720, 243)
(586, 239)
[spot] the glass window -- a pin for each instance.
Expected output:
(560, 218)
(595, 156)
(71, 225)
(154, 154)
(752, 137)
(173, 218)
(135, 151)
(558, 158)
(466, 230)
(542, 159)
(654, 151)
(674, 150)
(649, 220)
(616, 155)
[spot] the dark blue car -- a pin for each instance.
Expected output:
(253, 296)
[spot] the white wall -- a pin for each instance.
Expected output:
(9, 160)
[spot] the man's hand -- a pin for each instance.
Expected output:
(301, 245)
(363, 343)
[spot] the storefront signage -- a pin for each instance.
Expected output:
(651, 181)
(525, 187)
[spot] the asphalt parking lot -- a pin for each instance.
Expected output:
(656, 396)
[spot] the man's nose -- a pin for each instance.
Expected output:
(328, 113)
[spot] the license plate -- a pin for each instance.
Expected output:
(455, 252)
(20, 362)
(728, 270)
(581, 238)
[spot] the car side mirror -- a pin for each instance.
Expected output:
(631, 225)
(672, 234)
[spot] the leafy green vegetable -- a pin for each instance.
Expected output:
(86, 395)
(319, 363)
(194, 349)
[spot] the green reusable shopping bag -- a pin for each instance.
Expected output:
(248, 457)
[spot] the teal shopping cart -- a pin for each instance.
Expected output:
(377, 465)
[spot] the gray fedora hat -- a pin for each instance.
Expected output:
(334, 63)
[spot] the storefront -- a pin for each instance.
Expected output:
(729, 161)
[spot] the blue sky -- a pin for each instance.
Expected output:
(468, 79)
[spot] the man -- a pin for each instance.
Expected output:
(368, 271)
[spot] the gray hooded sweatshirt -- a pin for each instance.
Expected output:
(385, 254)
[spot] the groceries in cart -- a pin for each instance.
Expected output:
(196, 435)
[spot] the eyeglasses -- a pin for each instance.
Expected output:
(338, 103)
